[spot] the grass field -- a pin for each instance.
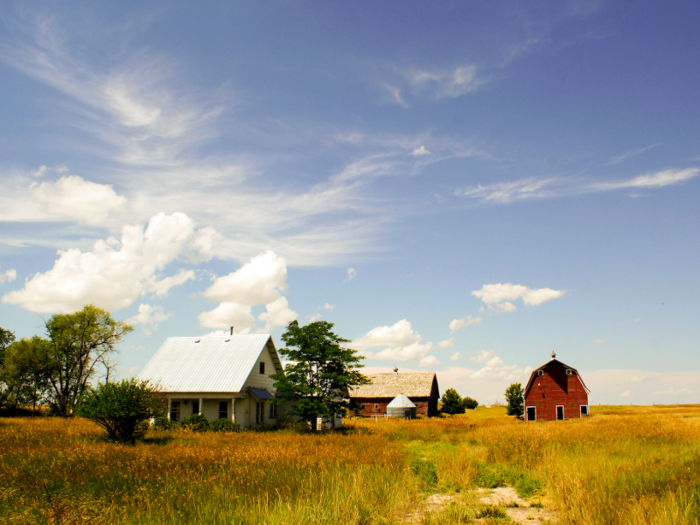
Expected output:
(623, 465)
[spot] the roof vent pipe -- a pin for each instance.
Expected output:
(232, 330)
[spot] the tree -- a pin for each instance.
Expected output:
(122, 408)
(26, 370)
(470, 403)
(320, 372)
(80, 342)
(6, 339)
(452, 403)
(514, 398)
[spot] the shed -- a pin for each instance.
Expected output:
(555, 391)
(220, 377)
(401, 406)
(420, 388)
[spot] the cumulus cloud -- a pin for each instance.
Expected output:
(74, 198)
(399, 343)
(260, 281)
(458, 324)
(447, 343)
(495, 368)
(352, 273)
(430, 360)
(328, 306)
(498, 296)
(162, 287)
(456, 356)
(116, 272)
(421, 150)
(148, 317)
(8, 276)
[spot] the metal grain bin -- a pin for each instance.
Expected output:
(401, 406)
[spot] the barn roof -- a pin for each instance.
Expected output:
(207, 364)
(392, 384)
(548, 363)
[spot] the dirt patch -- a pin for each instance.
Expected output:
(518, 509)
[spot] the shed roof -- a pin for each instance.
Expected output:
(207, 364)
(401, 401)
(392, 384)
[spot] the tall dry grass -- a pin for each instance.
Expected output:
(624, 465)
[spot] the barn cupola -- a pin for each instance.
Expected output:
(554, 354)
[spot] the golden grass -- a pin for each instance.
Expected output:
(623, 465)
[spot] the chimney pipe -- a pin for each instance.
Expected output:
(232, 330)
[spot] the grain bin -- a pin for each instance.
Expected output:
(401, 406)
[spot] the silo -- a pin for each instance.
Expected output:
(401, 406)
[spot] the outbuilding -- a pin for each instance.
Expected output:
(401, 407)
(420, 388)
(219, 377)
(555, 391)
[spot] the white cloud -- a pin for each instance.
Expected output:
(456, 356)
(148, 317)
(482, 356)
(352, 273)
(446, 83)
(162, 287)
(8, 276)
(447, 343)
(458, 324)
(626, 393)
(259, 281)
(629, 154)
(328, 306)
(636, 320)
(278, 314)
(229, 314)
(498, 296)
(421, 150)
(399, 341)
(315, 317)
(396, 94)
(533, 188)
(599, 341)
(74, 198)
(430, 360)
(116, 272)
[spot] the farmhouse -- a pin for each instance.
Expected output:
(219, 377)
(420, 388)
(555, 392)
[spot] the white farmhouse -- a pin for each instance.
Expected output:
(220, 377)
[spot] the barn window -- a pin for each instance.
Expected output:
(175, 411)
(569, 371)
(560, 413)
(584, 410)
(273, 410)
(376, 407)
(195, 407)
(262, 367)
(532, 413)
(540, 372)
(223, 409)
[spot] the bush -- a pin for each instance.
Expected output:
(451, 402)
(163, 423)
(122, 409)
(470, 403)
(196, 422)
(224, 425)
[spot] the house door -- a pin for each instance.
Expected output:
(560, 413)
(531, 414)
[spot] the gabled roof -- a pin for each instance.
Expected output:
(552, 361)
(207, 364)
(401, 401)
(392, 384)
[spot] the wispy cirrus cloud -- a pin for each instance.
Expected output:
(618, 159)
(545, 188)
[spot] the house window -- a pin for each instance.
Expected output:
(584, 410)
(273, 410)
(560, 413)
(223, 409)
(259, 413)
(195, 407)
(175, 411)
(532, 413)
(262, 367)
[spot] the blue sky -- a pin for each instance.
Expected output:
(460, 187)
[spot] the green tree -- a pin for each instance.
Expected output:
(6, 339)
(320, 372)
(26, 370)
(81, 342)
(123, 408)
(514, 399)
(470, 403)
(452, 402)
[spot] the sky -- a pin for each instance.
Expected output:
(460, 187)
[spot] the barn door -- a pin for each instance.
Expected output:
(560, 413)
(531, 414)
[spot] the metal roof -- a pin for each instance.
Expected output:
(401, 401)
(207, 364)
(260, 393)
(393, 384)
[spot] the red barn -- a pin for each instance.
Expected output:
(555, 392)
(420, 388)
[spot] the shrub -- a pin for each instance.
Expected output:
(224, 425)
(451, 402)
(469, 403)
(196, 422)
(163, 423)
(122, 409)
